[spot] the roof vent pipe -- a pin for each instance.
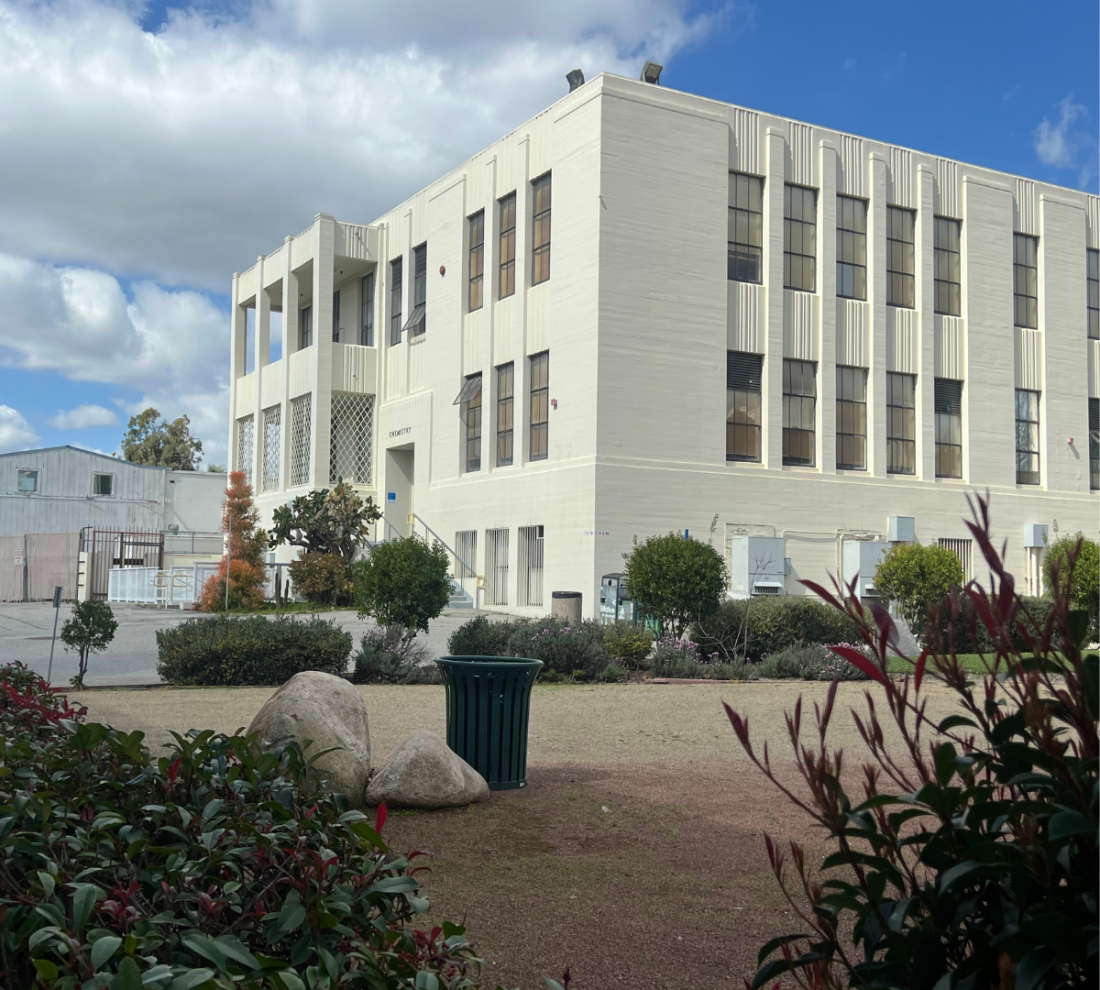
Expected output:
(651, 73)
(575, 79)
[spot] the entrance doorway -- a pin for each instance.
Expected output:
(400, 464)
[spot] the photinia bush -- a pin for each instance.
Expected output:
(969, 860)
(201, 869)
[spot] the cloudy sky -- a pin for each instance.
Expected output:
(149, 150)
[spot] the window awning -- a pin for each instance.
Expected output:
(415, 322)
(471, 388)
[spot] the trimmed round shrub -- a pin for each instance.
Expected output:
(571, 650)
(628, 644)
(675, 581)
(480, 637)
(752, 628)
(323, 579)
(228, 649)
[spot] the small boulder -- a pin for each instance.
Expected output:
(423, 772)
(330, 712)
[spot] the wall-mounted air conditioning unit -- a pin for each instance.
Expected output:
(757, 566)
(901, 529)
(1035, 534)
(862, 557)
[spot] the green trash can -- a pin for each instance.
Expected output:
(488, 704)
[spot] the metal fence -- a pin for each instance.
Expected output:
(180, 587)
(108, 549)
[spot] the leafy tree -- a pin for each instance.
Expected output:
(403, 583)
(914, 577)
(675, 581)
(336, 521)
(1084, 593)
(323, 578)
(90, 630)
(247, 575)
(969, 858)
(153, 440)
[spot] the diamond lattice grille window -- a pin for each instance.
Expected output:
(352, 438)
(246, 430)
(300, 428)
(273, 420)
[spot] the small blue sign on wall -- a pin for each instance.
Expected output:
(391, 497)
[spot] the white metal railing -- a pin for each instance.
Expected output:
(180, 587)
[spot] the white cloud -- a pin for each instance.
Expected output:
(84, 417)
(15, 431)
(1056, 144)
(182, 155)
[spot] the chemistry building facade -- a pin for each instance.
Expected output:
(645, 311)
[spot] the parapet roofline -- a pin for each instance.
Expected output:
(95, 453)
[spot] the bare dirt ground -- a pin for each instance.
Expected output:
(635, 855)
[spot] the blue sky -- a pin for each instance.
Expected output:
(146, 160)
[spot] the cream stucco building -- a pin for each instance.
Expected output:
(645, 311)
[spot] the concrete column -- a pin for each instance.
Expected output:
(263, 349)
(826, 284)
(290, 345)
(324, 234)
(521, 407)
(926, 305)
(876, 306)
(771, 401)
(237, 334)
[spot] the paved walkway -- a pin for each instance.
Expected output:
(26, 629)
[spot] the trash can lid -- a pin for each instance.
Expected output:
(565, 594)
(512, 662)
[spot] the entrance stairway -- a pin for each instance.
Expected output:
(460, 598)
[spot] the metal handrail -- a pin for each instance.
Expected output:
(466, 568)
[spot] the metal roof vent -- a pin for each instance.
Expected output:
(651, 73)
(575, 79)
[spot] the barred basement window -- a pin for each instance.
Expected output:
(507, 248)
(395, 301)
(949, 449)
(799, 238)
(246, 432)
(273, 422)
(901, 423)
(496, 567)
(540, 230)
(505, 413)
(851, 247)
(947, 269)
(1094, 292)
(961, 549)
(530, 565)
(466, 552)
(540, 406)
(351, 441)
(851, 418)
(1027, 437)
(1094, 444)
(1025, 280)
(366, 307)
(745, 234)
(900, 257)
(799, 411)
(476, 225)
(301, 417)
(743, 406)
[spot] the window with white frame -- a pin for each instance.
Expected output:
(540, 230)
(851, 418)
(963, 549)
(471, 421)
(351, 439)
(1025, 280)
(103, 484)
(366, 310)
(305, 327)
(901, 423)
(505, 413)
(476, 232)
(273, 421)
(745, 234)
(900, 257)
(246, 434)
(395, 300)
(540, 406)
(851, 247)
(507, 247)
(301, 417)
(496, 567)
(949, 451)
(947, 255)
(530, 565)
(27, 481)
(799, 238)
(417, 318)
(1027, 437)
(466, 554)
(1093, 277)
(743, 417)
(336, 317)
(799, 411)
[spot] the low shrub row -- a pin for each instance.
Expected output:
(388, 656)
(205, 868)
(225, 650)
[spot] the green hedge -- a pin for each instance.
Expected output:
(754, 627)
(568, 650)
(1032, 614)
(250, 650)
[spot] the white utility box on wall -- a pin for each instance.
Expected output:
(862, 557)
(757, 566)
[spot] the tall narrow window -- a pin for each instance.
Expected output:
(901, 423)
(745, 235)
(1025, 279)
(1094, 292)
(246, 433)
(336, 317)
(530, 565)
(1027, 437)
(395, 301)
(963, 549)
(900, 257)
(540, 405)
(366, 306)
(799, 238)
(1094, 444)
(305, 327)
(851, 247)
(505, 412)
(851, 418)
(743, 406)
(417, 322)
(466, 552)
(507, 250)
(949, 451)
(540, 230)
(471, 420)
(476, 225)
(351, 439)
(301, 415)
(273, 422)
(947, 278)
(496, 567)
(799, 411)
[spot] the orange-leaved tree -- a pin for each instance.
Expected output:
(245, 563)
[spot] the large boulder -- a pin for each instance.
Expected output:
(329, 712)
(424, 773)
